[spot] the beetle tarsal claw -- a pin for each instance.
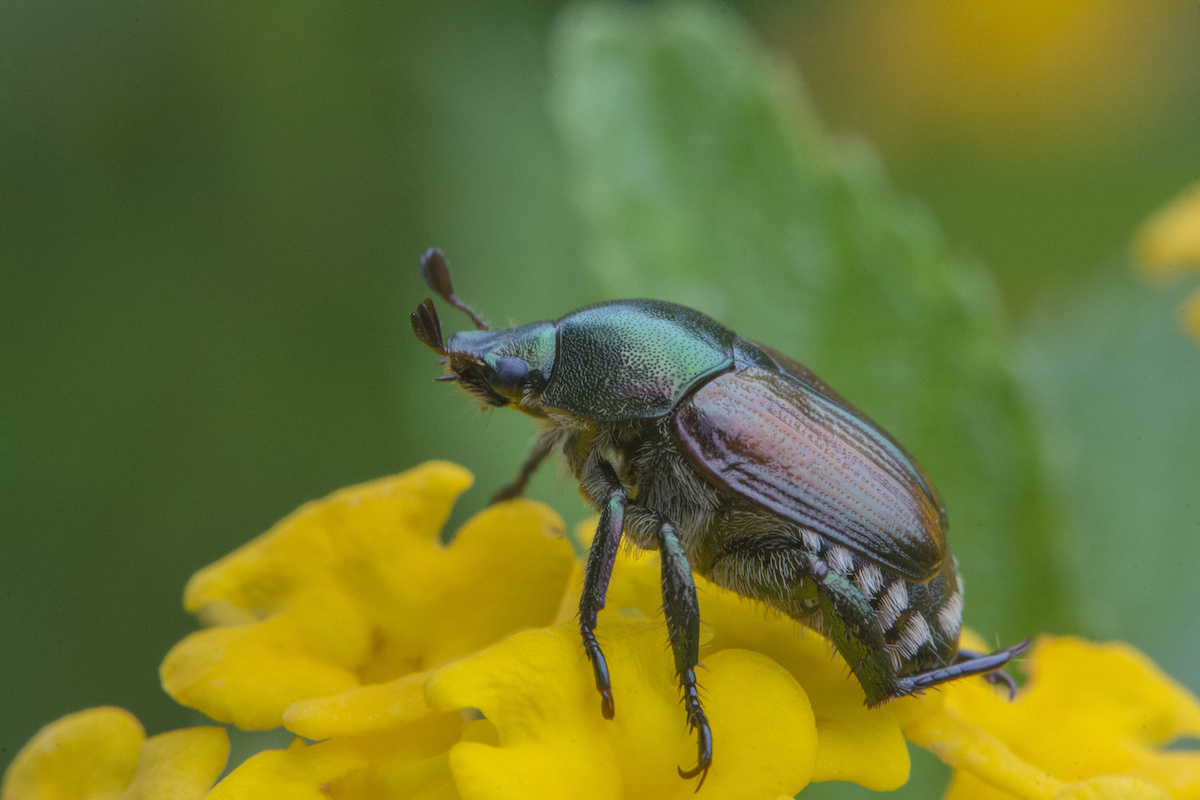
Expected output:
(606, 703)
(700, 769)
(1001, 677)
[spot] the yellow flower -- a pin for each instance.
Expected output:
(104, 753)
(1169, 244)
(1092, 719)
(293, 601)
(357, 590)
(416, 669)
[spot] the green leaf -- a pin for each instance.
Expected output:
(704, 177)
(1117, 387)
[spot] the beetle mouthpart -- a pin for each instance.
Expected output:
(427, 328)
(437, 275)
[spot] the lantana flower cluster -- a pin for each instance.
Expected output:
(407, 667)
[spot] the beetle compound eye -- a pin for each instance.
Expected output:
(510, 372)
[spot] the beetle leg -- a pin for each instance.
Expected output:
(968, 662)
(601, 556)
(516, 488)
(682, 611)
(854, 630)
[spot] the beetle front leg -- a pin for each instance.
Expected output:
(682, 611)
(516, 488)
(601, 556)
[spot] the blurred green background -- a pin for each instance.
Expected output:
(210, 218)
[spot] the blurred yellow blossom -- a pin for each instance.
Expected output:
(104, 753)
(416, 669)
(1169, 244)
(1008, 76)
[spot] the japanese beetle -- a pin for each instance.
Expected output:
(734, 461)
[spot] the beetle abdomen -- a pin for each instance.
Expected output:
(885, 626)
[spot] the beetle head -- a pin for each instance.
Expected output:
(502, 367)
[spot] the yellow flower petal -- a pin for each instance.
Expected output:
(1169, 242)
(297, 773)
(364, 709)
(358, 589)
(537, 689)
(92, 753)
(854, 743)
(103, 753)
(248, 674)
(971, 748)
(1107, 787)
(411, 763)
(506, 570)
(179, 765)
(1112, 787)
